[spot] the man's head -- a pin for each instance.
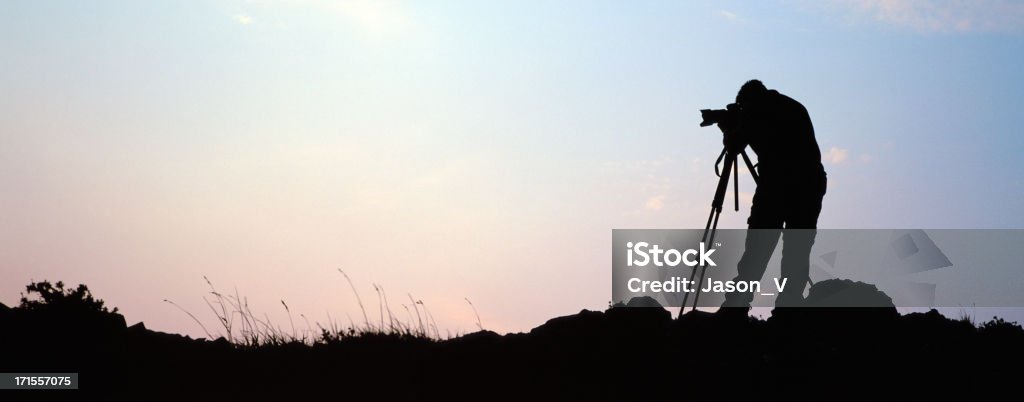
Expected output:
(751, 93)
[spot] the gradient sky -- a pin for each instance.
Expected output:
(464, 149)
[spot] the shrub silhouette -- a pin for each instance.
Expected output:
(55, 297)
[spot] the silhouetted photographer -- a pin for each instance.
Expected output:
(790, 187)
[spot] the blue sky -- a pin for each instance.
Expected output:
(463, 149)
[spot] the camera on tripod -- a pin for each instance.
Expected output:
(723, 117)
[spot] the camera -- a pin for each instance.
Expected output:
(728, 116)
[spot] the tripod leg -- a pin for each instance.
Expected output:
(712, 217)
(750, 166)
(704, 269)
(716, 210)
(736, 183)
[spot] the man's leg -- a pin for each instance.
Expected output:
(796, 257)
(798, 238)
(764, 224)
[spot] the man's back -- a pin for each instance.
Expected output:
(782, 136)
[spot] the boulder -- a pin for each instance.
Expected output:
(846, 293)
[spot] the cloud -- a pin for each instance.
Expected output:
(243, 19)
(378, 17)
(729, 15)
(655, 203)
(835, 155)
(651, 182)
(940, 16)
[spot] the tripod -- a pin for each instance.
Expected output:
(732, 167)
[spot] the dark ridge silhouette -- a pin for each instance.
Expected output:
(618, 354)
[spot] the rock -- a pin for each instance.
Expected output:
(639, 310)
(839, 302)
(846, 293)
(481, 336)
(643, 301)
(118, 322)
(571, 325)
